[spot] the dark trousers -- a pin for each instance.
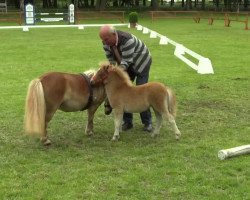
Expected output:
(146, 115)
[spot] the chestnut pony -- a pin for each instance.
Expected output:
(126, 97)
(67, 92)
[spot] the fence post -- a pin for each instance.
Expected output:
(71, 14)
(29, 15)
(246, 27)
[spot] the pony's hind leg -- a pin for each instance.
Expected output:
(44, 139)
(171, 120)
(158, 124)
(117, 120)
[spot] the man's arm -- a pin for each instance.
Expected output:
(109, 54)
(127, 51)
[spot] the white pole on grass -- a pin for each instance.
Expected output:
(236, 151)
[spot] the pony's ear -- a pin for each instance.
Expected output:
(106, 67)
(109, 67)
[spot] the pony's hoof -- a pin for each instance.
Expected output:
(115, 138)
(178, 136)
(47, 142)
(89, 133)
(154, 135)
(107, 110)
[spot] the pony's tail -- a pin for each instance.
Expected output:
(34, 119)
(171, 102)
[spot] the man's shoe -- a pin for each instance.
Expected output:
(127, 126)
(107, 109)
(148, 128)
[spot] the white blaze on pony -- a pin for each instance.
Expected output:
(67, 92)
(126, 97)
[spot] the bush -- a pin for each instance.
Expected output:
(133, 17)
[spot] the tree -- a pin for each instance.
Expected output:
(203, 2)
(188, 4)
(22, 4)
(100, 5)
(154, 4)
(246, 3)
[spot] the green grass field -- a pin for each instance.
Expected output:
(213, 114)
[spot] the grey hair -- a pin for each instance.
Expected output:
(112, 29)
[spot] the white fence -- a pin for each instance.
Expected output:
(204, 64)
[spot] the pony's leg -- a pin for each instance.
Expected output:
(44, 139)
(157, 124)
(89, 127)
(117, 120)
(48, 117)
(173, 125)
(107, 107)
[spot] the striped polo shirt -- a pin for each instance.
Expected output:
(134, 53)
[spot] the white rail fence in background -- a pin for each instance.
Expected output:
(204, 64)
(79, 26)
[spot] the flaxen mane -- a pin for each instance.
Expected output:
(119, 71)
(90, 73)
(104, 63)
(122, 74)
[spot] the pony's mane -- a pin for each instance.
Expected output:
(90, 72)
(119, 71)
(122, 74)
(104, 63)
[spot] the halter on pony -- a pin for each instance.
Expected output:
(90, 92)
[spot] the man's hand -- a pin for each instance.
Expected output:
(122, 67)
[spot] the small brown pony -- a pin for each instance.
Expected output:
(126, 97)
(67, 92)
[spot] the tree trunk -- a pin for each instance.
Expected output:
(188, 4)
(55, 4)
(203, 4)
(245, 3)
(86, 3)
(75, 2)
(217, 3)
(101, 5)
(45, 4)
(154, 4)
(183, 3)
(28, 1)
(22, 5)
(97, 5)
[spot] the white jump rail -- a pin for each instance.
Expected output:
(79, 26)
(232, 152)
(204, 65)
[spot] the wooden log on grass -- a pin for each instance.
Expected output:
(236, 151)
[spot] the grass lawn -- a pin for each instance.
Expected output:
(213, 114)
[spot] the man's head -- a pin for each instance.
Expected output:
(108, 35)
